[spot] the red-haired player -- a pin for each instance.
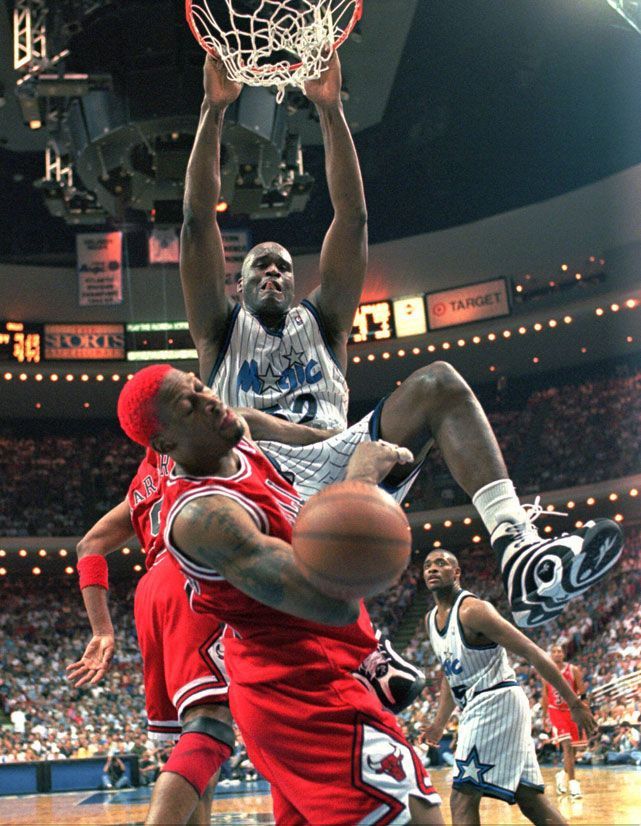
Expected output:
(184, 675)
(332, 754)
(565, 730)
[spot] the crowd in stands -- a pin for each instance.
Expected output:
(601, 634)
(563, 436)
(60, 484)
(45, 717)
(557, 437)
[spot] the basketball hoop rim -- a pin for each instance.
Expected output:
(358, 13)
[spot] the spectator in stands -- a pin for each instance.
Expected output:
(18, 720)
(625, 746)
(148, 767)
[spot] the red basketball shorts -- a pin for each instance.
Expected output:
(332, 757)
(181, 651)
(564, 727)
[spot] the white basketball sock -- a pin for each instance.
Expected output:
(498, 502)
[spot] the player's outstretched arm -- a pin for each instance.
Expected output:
(202, 258)
(343, 261)
(108, 534)
(263, 426)
(433, 733)
(483, 618)
(544, 702)
(217, 532)
(578, 680)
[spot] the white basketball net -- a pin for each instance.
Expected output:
(273, 42)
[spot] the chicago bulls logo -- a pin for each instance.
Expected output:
(391, 764)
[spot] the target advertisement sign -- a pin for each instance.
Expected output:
(463, 305)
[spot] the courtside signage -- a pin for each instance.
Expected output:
(89, 342)
(474, 302)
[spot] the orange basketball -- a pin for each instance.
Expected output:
(352, 540)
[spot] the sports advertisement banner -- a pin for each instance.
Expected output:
(84, 341)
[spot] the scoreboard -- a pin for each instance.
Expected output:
(27, 343)
(21, 343)
(380, 320)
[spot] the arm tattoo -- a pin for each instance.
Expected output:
(259, 566)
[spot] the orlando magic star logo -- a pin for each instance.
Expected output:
(293, 358)
(472, 770)
(288, 372)
(269, 379)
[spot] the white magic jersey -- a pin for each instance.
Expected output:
(469, 669)
(292, 373)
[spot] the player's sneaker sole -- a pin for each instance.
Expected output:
(541, 576)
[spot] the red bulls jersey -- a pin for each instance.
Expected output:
(268, 645)
(144, 497)
(554, 698)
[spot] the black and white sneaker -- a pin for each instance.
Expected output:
(541, 576)
(395, 682)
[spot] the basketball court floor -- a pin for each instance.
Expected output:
(610, 796)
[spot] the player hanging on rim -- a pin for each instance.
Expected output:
(495, 755)
(318, 390)
(564, 730)
(290, 359)
(332, 754)
(184, 674)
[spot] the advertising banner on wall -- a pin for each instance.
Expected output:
(474, 302)
(84, 341)
(99, 257)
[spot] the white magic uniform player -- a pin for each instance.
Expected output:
(495, 754)
(293, 373)
(292, 359)
(494, 751)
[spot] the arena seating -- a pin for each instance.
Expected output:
(556, 439)
(602, 632)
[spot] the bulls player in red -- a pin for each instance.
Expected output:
(565, 730)
(184, 674)
(331, 753)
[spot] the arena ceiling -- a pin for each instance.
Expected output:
(461, 110)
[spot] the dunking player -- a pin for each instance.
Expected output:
(255, 354)
(565, 730)
(495, 754)
(184, 674)
(332, 754)
(291, 360)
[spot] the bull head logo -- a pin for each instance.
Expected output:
(391, 764)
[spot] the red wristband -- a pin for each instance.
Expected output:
(92, 570)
